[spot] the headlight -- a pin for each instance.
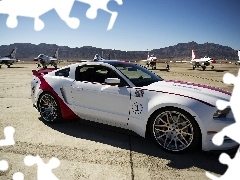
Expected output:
(221, 113)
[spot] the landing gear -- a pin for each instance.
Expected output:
(203, 68)
(0, 66)
(193, 67)
(153, 64)
(148, 63)
(212, 67)
(8, 65)
(38, 65)
(167, 67)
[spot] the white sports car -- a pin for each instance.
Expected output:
(177, 114)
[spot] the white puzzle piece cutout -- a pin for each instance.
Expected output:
(8, 141)
(36, 8)
(231, 131)
(8, 133)
(101, 4)
(44, 170)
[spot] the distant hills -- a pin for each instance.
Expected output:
(28, 51)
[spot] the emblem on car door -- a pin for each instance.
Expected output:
(137, 108)
(139, 93)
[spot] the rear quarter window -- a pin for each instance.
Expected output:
(63, 72)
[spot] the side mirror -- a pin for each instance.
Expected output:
(113, 81)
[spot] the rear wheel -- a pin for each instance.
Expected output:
(49, 108)
(193, 67)
(174, 130)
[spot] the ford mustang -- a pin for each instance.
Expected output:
(178, 115)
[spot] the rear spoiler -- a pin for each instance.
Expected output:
(42, 72)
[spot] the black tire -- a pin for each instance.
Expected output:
(49, 108)
(172, 136)
(193, 67)
(203, 68)
(212, 67)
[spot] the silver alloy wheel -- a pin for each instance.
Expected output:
(173, 131)
(48, 107)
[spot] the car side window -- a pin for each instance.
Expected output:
(63, 72)
(94, 73)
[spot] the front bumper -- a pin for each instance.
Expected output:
(226, 145)
(215, 126)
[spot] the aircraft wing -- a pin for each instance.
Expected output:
(53, 59)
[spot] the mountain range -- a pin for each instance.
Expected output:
(28, 51)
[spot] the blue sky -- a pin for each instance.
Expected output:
(141, 25)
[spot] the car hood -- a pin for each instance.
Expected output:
(189, 89)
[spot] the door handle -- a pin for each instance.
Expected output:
(79, 88)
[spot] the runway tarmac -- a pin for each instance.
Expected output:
(94, 151)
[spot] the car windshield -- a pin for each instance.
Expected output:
(138, 75)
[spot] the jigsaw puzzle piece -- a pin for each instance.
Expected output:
(229, 78)
(25, 8)
(221, 105)
(101, 4)
(38, 24)
(211, 176)
(8, 133)
(18, 176)
(36, 8)
(235, 98)
(233, 167)
(5, 8)
(44, 170)
(229, 131)
(63, 8)
(3, 165)
(12, 21)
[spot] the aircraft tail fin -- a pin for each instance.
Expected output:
(194, 55)
(56, 54)
(148, 55)
(239, 54)
(13, 53)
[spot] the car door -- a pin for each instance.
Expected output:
(97, 101)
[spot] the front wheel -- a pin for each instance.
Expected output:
(49, 108)
(174, 130)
